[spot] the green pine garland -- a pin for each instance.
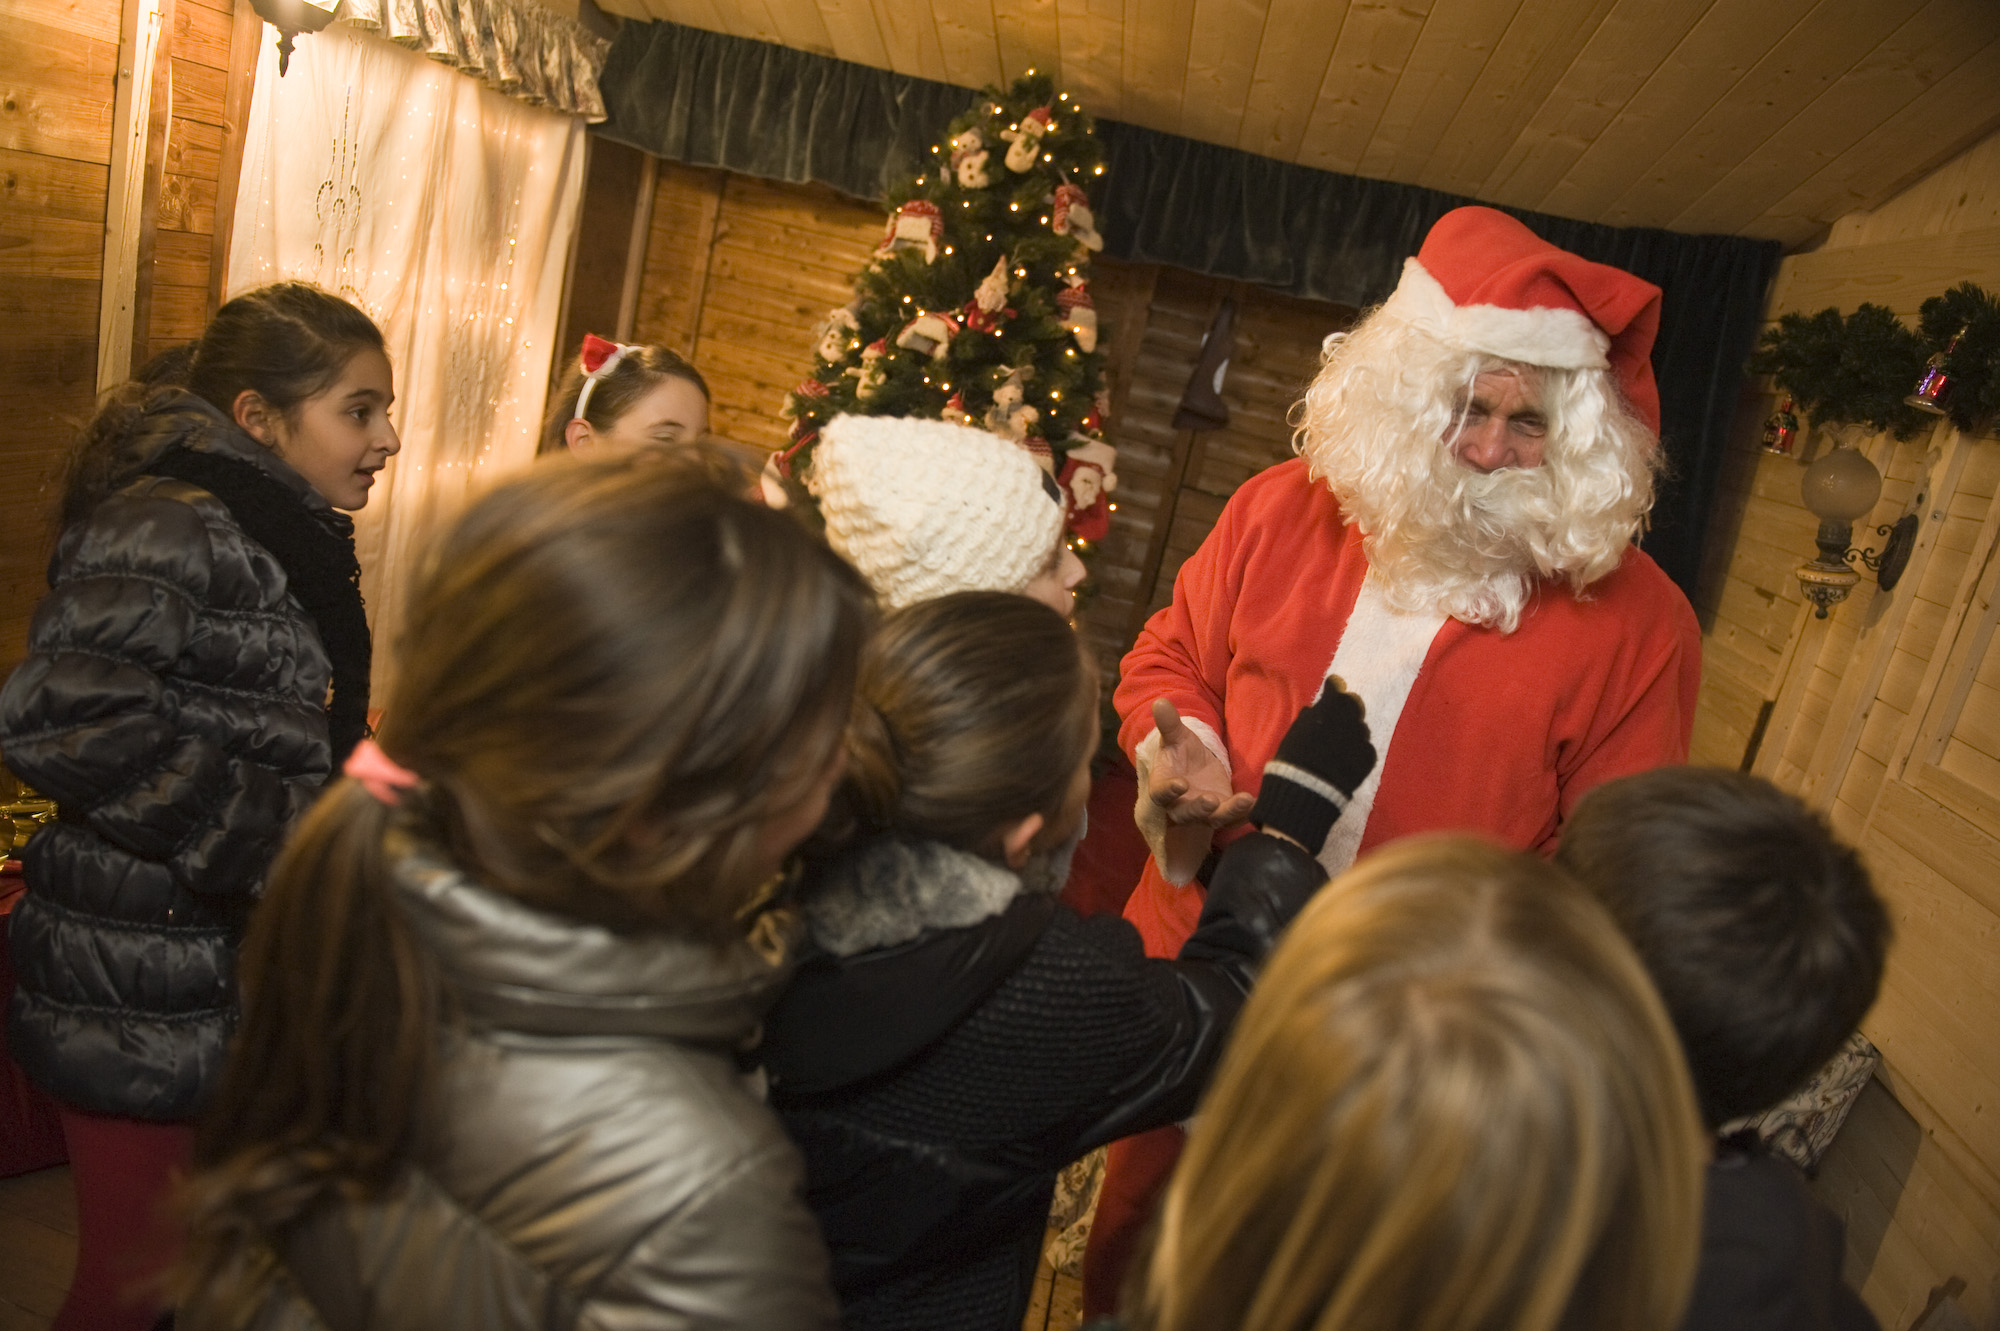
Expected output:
(1847, 371)
(995, 236)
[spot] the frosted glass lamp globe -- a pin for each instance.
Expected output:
(1842, 486)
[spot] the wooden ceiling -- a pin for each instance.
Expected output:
(1766, 118)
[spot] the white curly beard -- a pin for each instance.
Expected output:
(1442, 536)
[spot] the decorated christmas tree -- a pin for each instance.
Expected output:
(976, 308)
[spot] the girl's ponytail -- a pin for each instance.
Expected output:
(328, 952)
(972, 711)
(109, 451)
(614, 677)
(873, 785)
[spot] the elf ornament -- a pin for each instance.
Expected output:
(1080, 313)
(1089, 475)
(1071, 216)
(929, 334)
(968, 160)
(987, 309)
(1025, 140)
(916, 225)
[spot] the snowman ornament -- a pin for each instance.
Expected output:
(1011, 417)
(1024, 141)
(968, 160)
(836, 335)
(870, 372)
(1079, 314)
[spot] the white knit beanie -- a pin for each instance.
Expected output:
(925, 509)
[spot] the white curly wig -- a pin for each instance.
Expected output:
(1378, 427)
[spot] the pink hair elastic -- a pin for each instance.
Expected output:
(379, 774)
(599, 359)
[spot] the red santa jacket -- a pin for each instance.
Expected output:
(1500, 733)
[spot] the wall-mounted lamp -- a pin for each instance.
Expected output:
(1839, 488)
(294, 18)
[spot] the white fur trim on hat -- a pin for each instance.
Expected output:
(924, 509)
(1548, 336)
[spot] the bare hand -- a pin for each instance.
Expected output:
(1187, 781)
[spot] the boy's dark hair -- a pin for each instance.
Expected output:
(1762, 931)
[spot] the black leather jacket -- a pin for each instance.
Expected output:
(955, 1036)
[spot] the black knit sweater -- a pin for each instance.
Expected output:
(937, 1075)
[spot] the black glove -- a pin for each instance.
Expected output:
(1320, 762)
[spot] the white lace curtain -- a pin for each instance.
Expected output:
(445, 210)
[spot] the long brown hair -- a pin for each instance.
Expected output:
(1453, 1103)
(641, 369)
(973, 711)
(285, 342)
(614, 674)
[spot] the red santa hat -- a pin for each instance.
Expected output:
(1485, 282)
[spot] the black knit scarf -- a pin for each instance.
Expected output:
(316, 551)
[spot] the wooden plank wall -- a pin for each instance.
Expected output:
(56, 95)
(56, 88)
(191, 221)
(738, 271)
(1885, 716)
(1173, 483)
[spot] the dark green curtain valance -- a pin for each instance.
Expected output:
(712, 100)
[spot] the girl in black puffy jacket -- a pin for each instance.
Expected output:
(954, 1035)
(199, 666)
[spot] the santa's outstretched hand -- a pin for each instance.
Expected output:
(1185, 797)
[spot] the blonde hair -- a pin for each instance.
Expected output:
(1378, 425)
(1453, 1103)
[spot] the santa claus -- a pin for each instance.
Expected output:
(1455, 543)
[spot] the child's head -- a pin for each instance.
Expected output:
(623, 692)
(302, 371)
(1762, 932)
(637, 397)
(975, 719)
(625, 683)
(1452, 1101)
(924, 509)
